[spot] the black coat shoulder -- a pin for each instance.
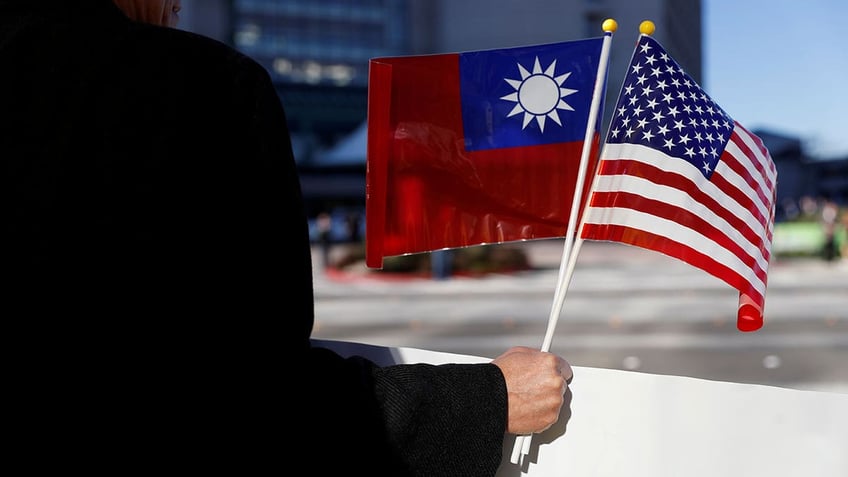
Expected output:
(157, 160)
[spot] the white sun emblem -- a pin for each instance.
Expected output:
(539, 95)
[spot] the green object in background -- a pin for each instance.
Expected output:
(797, 238)
(801, 238)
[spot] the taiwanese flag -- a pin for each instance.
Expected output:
(476, 148)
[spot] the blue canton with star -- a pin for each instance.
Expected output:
(662, 107)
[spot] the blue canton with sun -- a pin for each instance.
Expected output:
(528, 96)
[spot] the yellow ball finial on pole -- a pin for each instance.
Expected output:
(610, 25)
(647, 27)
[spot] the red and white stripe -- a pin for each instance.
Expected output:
(722, 225)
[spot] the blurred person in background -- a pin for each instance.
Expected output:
(324, 224)
(829, 221)
(843, 230)
(160, 277)
(834, 223)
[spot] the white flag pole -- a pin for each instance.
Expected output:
(522, 442)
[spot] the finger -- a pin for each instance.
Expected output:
(567, 372)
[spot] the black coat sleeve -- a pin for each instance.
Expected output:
(406, 419)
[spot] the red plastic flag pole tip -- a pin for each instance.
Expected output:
(749, 318)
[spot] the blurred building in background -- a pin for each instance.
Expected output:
(317, 52)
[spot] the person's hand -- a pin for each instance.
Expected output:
(535, 382)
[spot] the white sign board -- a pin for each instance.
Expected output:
(625, 423)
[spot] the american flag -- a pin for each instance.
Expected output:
(679, 176)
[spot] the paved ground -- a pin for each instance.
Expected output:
(625, 308)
